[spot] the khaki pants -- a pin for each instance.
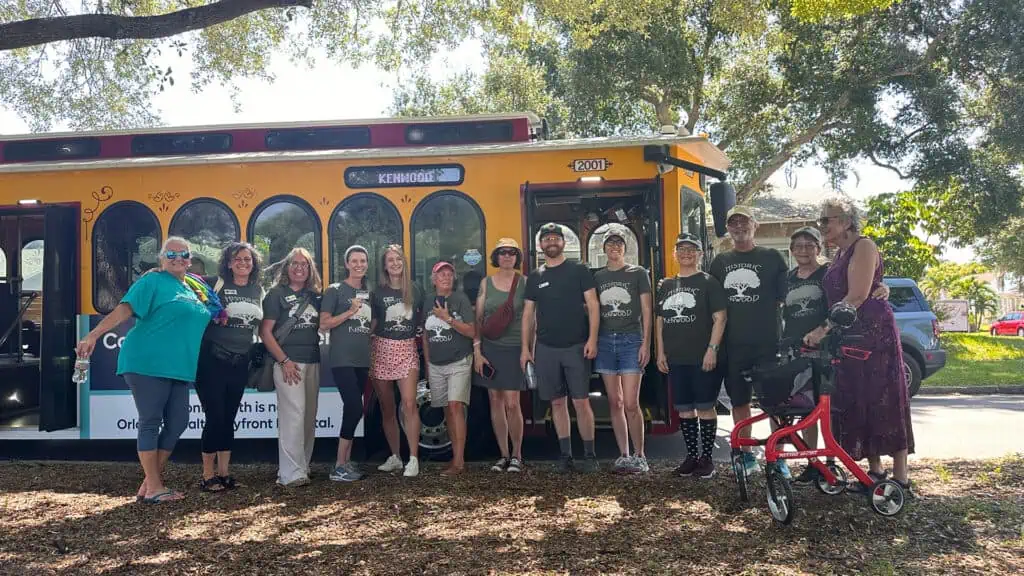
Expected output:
(296, 422)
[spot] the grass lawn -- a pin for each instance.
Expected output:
(81, 518)
(980, 360)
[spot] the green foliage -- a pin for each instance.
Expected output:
(927, 88)
(892, 220)
(817, 10)
(100, 83)
(1004, 250)
(942, 276)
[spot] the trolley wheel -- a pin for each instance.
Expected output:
(832, 489)
(780, 495)
(887, 497)
(741, 475)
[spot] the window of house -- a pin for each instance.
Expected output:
(125, 243)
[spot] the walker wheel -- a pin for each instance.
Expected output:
(832, 489)
(887, 497)
(780, 495)
(740, 473)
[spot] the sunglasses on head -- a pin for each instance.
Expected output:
(174, 255)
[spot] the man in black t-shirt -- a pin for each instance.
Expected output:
(754, 279)
(562, 297)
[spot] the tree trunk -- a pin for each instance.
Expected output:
(36, 31)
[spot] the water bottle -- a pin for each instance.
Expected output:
(81, 370)
(531, 376)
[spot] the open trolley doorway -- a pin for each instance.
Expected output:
(38, 304)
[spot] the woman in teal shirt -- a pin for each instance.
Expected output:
(158, 359)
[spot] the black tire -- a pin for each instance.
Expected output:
(740, 474)
(912, 370)
(780, 495)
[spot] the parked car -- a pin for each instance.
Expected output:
(919, 332)
(1009, 324)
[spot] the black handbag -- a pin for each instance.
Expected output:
(261, 363)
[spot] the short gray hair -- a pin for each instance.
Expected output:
(846, 208)
(173, 240)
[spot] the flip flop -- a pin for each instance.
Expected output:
(228, 482)
(214, 484)
(165, 496)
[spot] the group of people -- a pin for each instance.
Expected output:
(551, 328)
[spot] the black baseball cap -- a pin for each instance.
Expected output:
(551, 228)
(686, 238)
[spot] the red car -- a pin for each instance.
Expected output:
(1009, 324)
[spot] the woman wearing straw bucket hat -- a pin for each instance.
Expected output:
(497, 347)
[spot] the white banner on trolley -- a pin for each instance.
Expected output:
(113, 416)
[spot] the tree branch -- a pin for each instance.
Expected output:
(36, 31)
(822, 123)
(876, 162)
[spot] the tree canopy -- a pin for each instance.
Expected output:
(925, 88)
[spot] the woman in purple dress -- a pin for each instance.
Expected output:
(871, 409)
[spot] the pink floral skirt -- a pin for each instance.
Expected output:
(393, 359)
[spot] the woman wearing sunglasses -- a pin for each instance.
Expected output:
(296, 294)
(497, 347)
(158, 359)
(396, 308)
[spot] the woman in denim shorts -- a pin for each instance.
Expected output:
(623, 347)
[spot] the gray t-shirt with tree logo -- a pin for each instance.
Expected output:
(245, 312)
(619, 292)
(445, 342)
(350, 341)
(303, 344)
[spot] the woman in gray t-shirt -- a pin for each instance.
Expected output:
(346, 312)
(224, 359)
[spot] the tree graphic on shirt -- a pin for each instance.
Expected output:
(615, 297)
(741, 280)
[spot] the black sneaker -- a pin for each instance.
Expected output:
(687, 467)
(590, 464)
(565, 464)
(705, 468)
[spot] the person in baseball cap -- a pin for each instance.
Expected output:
(740, 210)
(687, 238)
(808, 231)
(551, 228)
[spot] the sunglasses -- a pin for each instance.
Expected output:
(508, 252)
(173, 255)
(824, 220)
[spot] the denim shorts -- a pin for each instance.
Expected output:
(618, 353)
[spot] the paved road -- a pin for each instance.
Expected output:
(944, 427)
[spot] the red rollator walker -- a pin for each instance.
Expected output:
(785, 400)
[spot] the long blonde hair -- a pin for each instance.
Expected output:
(313, 282)
(385, 278)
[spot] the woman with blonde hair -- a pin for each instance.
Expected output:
(296, 294)
(396, 308)
(159, 357)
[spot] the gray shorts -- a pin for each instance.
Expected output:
(562, 372)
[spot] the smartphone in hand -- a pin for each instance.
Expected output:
(488, 371)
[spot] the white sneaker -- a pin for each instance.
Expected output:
(412, 469)
(392, 464)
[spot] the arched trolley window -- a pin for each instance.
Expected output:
(365, 219)
(280, 224)
(125, 243)
(208, 225)
(448, 225)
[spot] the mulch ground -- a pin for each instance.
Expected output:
(70, 518)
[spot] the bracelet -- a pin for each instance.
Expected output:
(285, 361)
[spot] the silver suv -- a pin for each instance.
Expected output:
(919, 332)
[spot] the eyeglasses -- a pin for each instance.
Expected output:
(804, 246)
(508, 252)
(824, 220)
(174, 255)
(298, 264)
(241, 260)
(686, 249)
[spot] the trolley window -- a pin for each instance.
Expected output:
(449, 226)
(368, 220)
(125, 243)
(280, 224)
(208, 225)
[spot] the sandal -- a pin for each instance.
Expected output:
(165, 496)
(214, 484)
(228, 482)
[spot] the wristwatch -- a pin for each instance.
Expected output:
(713, 347)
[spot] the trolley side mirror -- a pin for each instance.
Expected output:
(723, 198)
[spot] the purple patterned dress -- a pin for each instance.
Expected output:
(871, 411)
